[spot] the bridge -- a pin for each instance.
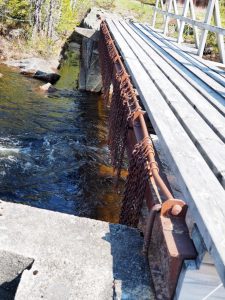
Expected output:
(167, 118)
(155, 80)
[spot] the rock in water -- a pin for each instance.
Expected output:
(31, 67)
(47, 77)
(48, 88)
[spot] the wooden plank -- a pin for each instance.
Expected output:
(205, 74)
(215, 99)
(204, 195)
(208, 143)
(215, 66)
(207, 66)
(200, 284)
(210, 115)
(199, 63)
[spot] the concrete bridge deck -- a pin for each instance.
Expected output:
(55, 256)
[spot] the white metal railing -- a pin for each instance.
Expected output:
(213, 9)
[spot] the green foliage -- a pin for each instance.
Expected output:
(44, 47)
(68, 17)
(222, 11)
(19, 9)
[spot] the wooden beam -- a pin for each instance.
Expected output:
(220, 39)
(171, 4)
(188, 4)
(208, 17)
(199, 24)
(155, 13)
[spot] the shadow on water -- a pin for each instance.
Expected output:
(53, 151)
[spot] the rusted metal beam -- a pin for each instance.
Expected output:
(170, 245)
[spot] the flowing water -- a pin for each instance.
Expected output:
(53, 151)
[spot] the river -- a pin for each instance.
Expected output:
(53, 151)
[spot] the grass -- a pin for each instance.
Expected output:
(136, 9)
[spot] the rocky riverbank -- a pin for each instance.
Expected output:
(44, 69)
(83, 41)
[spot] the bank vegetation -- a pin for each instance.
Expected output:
(40, 27)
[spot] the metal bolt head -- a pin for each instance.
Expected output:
(176, 210)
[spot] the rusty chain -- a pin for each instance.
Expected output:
(106, 66)
(138, 176)
(120, 111)
(125, 110)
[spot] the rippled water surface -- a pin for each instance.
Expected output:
(53, 151)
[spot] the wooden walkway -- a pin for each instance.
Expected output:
(185, 101)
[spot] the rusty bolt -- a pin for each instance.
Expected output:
(176, 210)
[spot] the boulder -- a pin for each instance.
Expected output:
(90, 76)
(34, 64)
(48, 88)
(208, 50)
(47, 77)
(1, 75)
(16, 33)
(38, 68)
(74, 46)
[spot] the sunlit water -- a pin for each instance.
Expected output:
(53, 151)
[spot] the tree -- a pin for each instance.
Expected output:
(37, 4)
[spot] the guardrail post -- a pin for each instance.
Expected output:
(213, 8)
(155, 12)
(220, 39)
(188, 4)
(172, 3)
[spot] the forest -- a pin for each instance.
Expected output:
(49, 17)
(43, 25)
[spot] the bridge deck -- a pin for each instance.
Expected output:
(185, 101)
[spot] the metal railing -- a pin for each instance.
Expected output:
(212, 10)
(165, 224)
